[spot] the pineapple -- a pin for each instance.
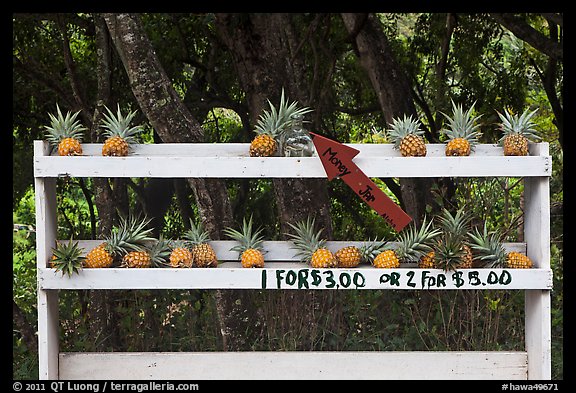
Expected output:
(250, 247)
(491, 253)
(67, 258)
(462, 131)
(311, 248)
(407, 137)
(349, 256)
(372, 249)
(118, 132)
(155, 255)
(202, 251)
(452, 252)
(180, 255)
(518, 131)
(427, 261)
(271, 125)
(413, 243)
(130, 235)
(65, 133)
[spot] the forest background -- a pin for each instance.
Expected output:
(207, 78)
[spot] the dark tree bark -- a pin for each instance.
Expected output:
(394, 95)
(170, 118)
(173, 122)
(264, 49)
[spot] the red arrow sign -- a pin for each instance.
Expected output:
(337, 161)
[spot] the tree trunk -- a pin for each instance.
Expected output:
(263, 47)
(393, 90)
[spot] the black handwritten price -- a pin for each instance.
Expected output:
(369, 278)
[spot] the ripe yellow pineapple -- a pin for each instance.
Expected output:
(427, 261)
(349, 256)
(271, 125)
(412, 244)
(491, 253)
(118, 132)
(311, 248)
(129, 235)
(155, 255)
(180, 256)
(462, 131)
(250, 244)
(65, 133)
(518, 131)
(197, 239)
(407, 137)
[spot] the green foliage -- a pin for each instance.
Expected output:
(485, 63)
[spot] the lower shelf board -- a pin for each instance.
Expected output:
(293, 365)
(290, 275)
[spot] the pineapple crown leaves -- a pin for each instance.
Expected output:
(131, 234)
(462, 124)
(159, 251)
(67, 257)
(370, 249)
(487, 247)
(448, 251)
(402, 127)
(119, 125)
(196, 234)
(63, 127)
(247, 237)
(415, 242)
(456, 224)
(274, 121)
(518, 124)
(306, 239)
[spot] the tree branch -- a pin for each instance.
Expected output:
(528, 34)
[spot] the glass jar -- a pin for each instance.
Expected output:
(297, 141)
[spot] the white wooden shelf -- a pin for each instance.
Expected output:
(283, 272)
(232, 161)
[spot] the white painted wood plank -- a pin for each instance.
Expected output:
(47, 301)
(242, 149)
(294, 365)
(538, 323)
(286, 167)
(292, 275)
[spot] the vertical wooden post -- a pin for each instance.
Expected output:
(46, 226)
(537, 302)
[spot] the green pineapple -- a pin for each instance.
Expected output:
(451, 250)
(67, 258)
(462, 132)
(118, 132)
(271, 125)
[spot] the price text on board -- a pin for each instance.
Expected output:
(393, 279)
